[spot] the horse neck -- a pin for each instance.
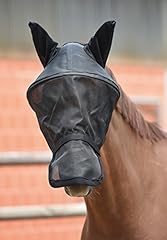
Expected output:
(124, 154)
(123, 158)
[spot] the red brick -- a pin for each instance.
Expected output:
(28, 184)
(42, 229)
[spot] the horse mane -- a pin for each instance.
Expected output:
(134, 118)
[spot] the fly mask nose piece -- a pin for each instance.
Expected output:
(73, 99)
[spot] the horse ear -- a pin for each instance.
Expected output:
(42, 41)
(100, 43)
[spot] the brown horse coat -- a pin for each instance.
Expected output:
(131, 203)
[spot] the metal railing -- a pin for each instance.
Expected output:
(9, 158)
(35, 211)
(42, 211)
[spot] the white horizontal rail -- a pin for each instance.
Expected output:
(146, 100)
(42, 211)
(24, 157)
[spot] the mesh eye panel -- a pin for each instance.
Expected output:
(74, 112)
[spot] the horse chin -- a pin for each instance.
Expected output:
(78, 190)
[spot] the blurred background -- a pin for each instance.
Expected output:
(29, 208)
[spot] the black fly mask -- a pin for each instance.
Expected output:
(73, 99)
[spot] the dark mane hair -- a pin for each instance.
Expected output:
(134, 118)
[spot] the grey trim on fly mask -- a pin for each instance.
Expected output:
(73, 99)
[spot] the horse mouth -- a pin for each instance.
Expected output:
(78, 190)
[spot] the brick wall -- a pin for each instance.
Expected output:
(28, 185)
(19, 131)
(18, 126)
(42, 229)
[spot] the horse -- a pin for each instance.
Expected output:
(130, 204)
(128, 201)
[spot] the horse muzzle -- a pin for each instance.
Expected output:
(78, 190)
(75, 164)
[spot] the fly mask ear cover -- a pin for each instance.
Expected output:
(73, 99)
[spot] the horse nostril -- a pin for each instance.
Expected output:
(78, 190)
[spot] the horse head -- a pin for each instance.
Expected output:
(73, 99)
